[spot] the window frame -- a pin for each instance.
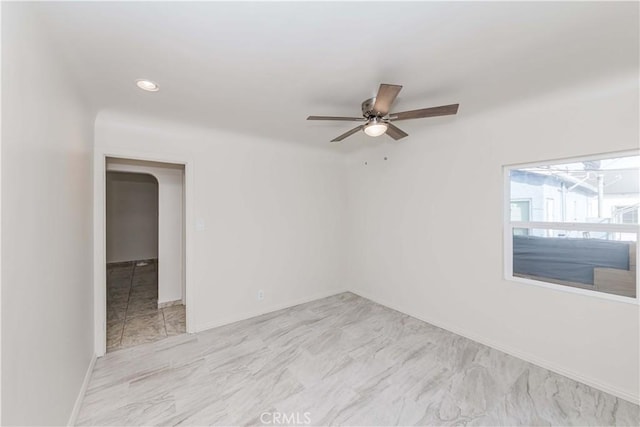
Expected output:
(509, 226)
(635, 212)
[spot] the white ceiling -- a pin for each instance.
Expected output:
(261, 68)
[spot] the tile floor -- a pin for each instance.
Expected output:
(342, 360)
(133, 316)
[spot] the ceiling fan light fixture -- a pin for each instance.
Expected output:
(375, 128)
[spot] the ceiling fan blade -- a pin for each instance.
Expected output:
(344, 119)
(386, 95)
(444, 110)
(347, 134)
(395, 132)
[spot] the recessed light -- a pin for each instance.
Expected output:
(147, 85)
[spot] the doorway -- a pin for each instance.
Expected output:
(144, 248)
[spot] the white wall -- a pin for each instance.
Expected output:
(426, 231)
(132, 217)
(272, 215)
(47, 133)
(169, 230)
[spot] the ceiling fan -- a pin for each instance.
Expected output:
(377, 118)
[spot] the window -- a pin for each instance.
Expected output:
(628, 214)
(573, 224)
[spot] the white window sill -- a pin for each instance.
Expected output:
(580, 291)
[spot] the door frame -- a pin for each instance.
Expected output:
(100, 235)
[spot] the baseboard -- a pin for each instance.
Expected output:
(83, 389)
(622, 394)
(268, 309)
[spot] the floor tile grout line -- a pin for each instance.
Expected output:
(164, 319)
(126, 310)
(164, 323)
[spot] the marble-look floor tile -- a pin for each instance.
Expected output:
(174, 320)
(120, 286)
(118, 296)
(344, 360)
(174, 313)
(143, 329)
(142, 307)
(133, 316)
(114, 334)
(116, 313)
(142, 292)
(141, 280)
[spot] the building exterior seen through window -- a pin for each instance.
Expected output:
(575, 223)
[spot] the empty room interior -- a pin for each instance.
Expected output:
(320, 213)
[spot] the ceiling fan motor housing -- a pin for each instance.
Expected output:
(367, 107)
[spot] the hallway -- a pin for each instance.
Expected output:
(133, 316)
